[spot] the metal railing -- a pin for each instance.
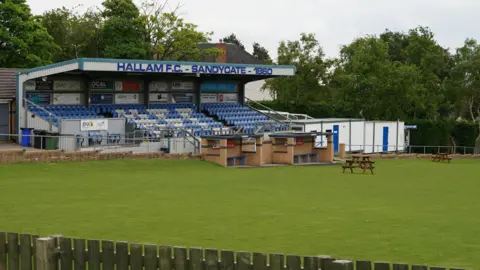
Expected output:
(433, 149)
(278, 117)
(412, 149)
(109, 143)
(34, 121)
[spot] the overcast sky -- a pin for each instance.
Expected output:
(335, 22)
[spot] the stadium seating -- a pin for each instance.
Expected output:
(178, 118)
(57, 112)
(240, 116)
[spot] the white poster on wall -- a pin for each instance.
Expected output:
(66, 86)
(94, 124)
(66, 98)
(158, 86)
(126, 99)
(182, 85)
(30, 85)
(227, 98)
(158, 97)
(208, 98)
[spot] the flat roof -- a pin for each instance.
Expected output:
(249, 72)
(298, 134)
(231, 136)
(325, 120)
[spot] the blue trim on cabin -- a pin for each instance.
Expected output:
(81, 61)
(385, 139)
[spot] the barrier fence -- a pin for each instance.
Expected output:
(109, 143)
(183, 144)
(27, 252)
(422, 149)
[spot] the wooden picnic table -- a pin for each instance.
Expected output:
(364, 164)
(440, 157)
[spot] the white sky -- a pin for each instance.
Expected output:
(334, 22)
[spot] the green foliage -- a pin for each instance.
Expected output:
(463, 85)
(24, 43)
(364, 72)
(261, 54)
(444, 133)
(308, 88)
(77, 35)
(172, 38)
(232, 38)
(124, 31)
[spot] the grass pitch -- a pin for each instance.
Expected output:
(412, 211)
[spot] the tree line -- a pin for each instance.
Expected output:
(394, 75)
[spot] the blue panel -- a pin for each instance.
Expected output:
(385, 139)
(217, 87)
(336, 132)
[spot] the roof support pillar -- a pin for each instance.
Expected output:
(241, 92)
(196, 89)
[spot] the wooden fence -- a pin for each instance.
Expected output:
(27, 252)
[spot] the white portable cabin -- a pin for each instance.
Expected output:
(358, 135)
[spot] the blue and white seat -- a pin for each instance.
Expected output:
(240, 116)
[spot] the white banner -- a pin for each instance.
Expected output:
(66, 86)
(66, 98)
(30, 85)
(208, 98)
(182, 85)
(158, 86)
(94, 124)
(227, 98)
(159, 97)
(126, 99)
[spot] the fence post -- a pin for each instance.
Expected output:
(342, 265)
(44, 256)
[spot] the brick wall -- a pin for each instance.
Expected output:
(20, 156)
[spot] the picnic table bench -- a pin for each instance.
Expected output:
(362, 162)
(440, 157)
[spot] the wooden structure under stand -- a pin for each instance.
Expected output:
(255, 151)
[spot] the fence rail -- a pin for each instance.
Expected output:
(108, 143)
(27, 252)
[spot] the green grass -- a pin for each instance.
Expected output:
(411, 211)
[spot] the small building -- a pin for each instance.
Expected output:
(258, 150)
(358, 135)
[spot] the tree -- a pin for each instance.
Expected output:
(368, 85)
(23, 41)
(171, 37)
(308, 88)
(124, 31)
(77, 35)
(261, 53)
(463, 84)
(418, 47)
(232, 38)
